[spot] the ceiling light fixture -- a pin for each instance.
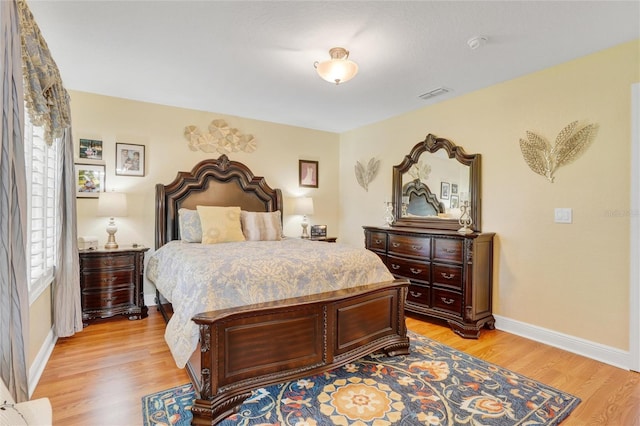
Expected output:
(339, 68)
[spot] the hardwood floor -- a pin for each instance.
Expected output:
(99, 376)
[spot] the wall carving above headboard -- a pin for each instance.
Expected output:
(220, 138)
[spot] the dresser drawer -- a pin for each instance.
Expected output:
(418, 294)
(107, 279)
(109, 261)
(447, 274)
(377, 241)
(448, 250)
(407, 268)
(104, 300)
(447, 300)
(411, 246)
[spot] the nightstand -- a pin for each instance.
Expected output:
(325, 239)
(111, 283)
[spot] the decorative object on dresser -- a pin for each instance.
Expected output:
(304, 206)
(570, 144)
(318, 231)
(112, 205)
(111, 283)
(450, 268)
(364, 175)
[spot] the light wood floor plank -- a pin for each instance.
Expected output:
(99, 376)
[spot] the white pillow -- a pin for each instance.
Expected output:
(261, 226)
(220, 224)
(189, 226)
(9, 415)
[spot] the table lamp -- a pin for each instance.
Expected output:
(112, 205)
(304, 206)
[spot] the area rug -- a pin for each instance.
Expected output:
(434, 385)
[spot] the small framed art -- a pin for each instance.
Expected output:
(308, 173)
(318, 231)
(454, 203)
(90, 149)
(444, 190)
(89, 180)
(454, 189)
(129, 159)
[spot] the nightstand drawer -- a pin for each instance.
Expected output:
(447, 275)
(406, 268)
(107, 280)
(447, 300)
(104, 300)
(411, 246)
(109, 261)
(449, 250)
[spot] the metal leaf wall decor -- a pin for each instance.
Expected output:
(545, 159)
(420, 171)
(364, 175)
(221, 138)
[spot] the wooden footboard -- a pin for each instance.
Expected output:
(255, 346)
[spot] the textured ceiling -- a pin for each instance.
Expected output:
(255, 59)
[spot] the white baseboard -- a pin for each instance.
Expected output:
(150, 299)
(40, 362)
(602, 353)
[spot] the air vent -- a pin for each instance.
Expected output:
(435, 92)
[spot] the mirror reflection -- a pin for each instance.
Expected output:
(432, 184)
(435, 186)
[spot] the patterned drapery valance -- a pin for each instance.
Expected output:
(46, 99)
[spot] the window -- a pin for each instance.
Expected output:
(42, 193)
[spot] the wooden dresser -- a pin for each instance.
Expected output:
(111, 283)
(450, 273)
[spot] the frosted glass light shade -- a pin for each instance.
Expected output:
(339, 68)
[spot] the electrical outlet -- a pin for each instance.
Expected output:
(563, 215)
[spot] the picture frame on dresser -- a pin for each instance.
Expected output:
(130, 159)
(90, 180)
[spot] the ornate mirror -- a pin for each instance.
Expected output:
(434, 184)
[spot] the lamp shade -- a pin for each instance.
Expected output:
(303, 206)
(112, 204)
(339, 68)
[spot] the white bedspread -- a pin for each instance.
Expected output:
(197, 278)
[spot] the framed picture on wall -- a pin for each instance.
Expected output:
(308, 173)
(90, 149)
(444, 190)
(89, 180)
(129, 159)
(454, 189)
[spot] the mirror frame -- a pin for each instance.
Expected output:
(432, 144)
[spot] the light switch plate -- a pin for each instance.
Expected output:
(563, 215)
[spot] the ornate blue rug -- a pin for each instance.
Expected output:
(435, 385)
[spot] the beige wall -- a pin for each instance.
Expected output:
(160, 128)
(40, 323)
(573, 279)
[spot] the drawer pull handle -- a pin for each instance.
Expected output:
(447, 301)
(377, 242)
(415, 270)
(447, 276)
(447, 250)
(416, 248)
(395, 267)
(108, 262)
(395, 244)
(109, 279)
(415, 293)
(108, 299)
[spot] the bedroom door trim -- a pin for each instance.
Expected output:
(634, 218)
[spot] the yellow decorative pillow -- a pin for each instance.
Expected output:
(220, 224)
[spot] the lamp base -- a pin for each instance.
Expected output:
(305, 233)
(111, 230)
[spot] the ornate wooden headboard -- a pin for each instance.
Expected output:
(215, 182)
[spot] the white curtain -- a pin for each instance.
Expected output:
(14, 301)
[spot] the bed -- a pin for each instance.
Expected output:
(325, 322)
